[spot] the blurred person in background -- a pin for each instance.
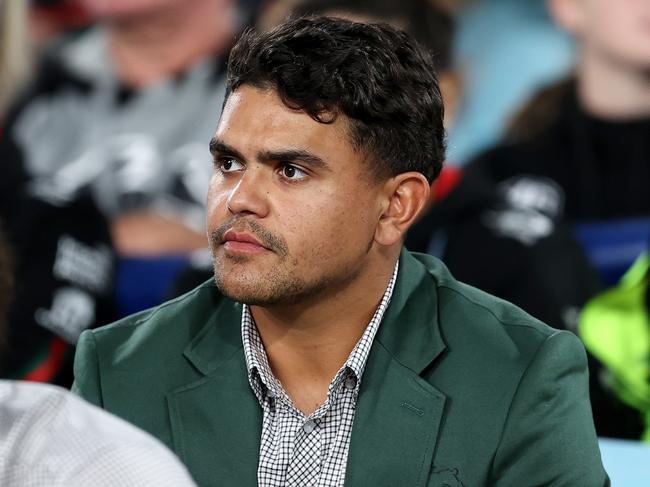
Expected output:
(505, 50)
(530, 218)
(15, 55)
(124, 110)
(52, 20)
(615, 328)
(51, 438)
(121, 113)
(63, 270)
(30, 27)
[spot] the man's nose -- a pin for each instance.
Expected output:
(249, 194)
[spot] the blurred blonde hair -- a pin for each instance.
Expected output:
(540, 111)
(15, 52)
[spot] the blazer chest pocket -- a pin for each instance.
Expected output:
(447, 477)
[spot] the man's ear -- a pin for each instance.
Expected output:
(404, 197)
(569, 14)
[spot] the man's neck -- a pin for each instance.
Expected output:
(308, 342)
(612, 89)
(154, 46)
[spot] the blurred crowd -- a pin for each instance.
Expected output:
(107, 107)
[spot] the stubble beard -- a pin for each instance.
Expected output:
(278, 286)
(266, 284)
(254, 289)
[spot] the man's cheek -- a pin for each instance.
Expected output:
(216, 201)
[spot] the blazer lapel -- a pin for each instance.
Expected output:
(216, 421)
(398, 412)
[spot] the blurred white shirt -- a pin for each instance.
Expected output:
(49, 437)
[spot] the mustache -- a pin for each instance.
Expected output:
(267, 239)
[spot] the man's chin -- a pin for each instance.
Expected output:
(235, 285)
(247, 296)
(257, 292)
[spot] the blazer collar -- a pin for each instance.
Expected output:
(219, 339)
(410, 330)
(216, 421)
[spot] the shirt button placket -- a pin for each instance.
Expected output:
(309, 426)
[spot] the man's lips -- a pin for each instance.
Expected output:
(242, 242)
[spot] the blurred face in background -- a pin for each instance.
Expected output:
(116, 9)
(618, 30)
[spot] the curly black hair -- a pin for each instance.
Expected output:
(429, 22)
(375, 75)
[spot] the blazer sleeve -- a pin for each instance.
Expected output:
(549, 436)
(86, 370)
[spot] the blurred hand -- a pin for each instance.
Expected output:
(145, 233)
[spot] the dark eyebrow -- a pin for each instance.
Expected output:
(294, 155)
(218, 147)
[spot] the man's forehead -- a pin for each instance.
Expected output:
(261, 100)
(254, 113)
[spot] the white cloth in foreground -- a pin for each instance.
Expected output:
(49, 437)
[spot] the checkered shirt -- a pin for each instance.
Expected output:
(52, 438)
(298, 450)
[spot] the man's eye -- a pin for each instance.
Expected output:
(293, 173)
(228, 164)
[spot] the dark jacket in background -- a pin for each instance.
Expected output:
(509, 226)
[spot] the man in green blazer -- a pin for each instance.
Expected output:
(322, 353)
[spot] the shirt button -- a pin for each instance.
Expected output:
(350, 383)
(309, 426)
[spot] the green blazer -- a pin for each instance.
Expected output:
(460, 389)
